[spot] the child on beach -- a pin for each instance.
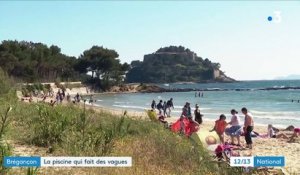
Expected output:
(248, 127)
(220, 126)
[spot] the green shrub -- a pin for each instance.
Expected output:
(49, 126)
(5, 149)
(5, 83)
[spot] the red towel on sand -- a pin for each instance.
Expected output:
(188, 126)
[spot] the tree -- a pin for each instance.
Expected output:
(31, 62)
(105, 67)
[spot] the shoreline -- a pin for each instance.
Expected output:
(141, 112)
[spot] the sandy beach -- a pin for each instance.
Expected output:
(261, 146)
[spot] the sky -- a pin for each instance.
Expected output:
(236, 34)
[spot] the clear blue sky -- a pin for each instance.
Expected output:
(235, 34)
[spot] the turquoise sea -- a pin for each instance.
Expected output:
(267, 106)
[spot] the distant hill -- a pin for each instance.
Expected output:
(289, 77)
(175, 64)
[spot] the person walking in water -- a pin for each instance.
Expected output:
(198, 115)
(248, 127)
(169, 106)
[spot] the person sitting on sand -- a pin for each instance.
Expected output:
(296, 133)
(248, 127)
(161, 118)
(289, 128)
(52, 103)
(198, 115)
(220, 126)
(235, 129)
(272, 133)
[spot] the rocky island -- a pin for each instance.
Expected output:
(175, 64)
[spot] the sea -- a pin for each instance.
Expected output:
(278, 106)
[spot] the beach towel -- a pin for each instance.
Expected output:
(191, 128)
(185, 125)
(180, 125)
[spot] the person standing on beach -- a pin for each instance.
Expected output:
(68, 97)
(63, 93)
(248, 127)
(165, 108)
(186, 110)
(198, 115)
(153, 104)
(91, 99)
(160, 107)
(169, 106)
(235, 129)
(77, 97)
(57, 97)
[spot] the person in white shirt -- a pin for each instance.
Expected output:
(235, 130)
